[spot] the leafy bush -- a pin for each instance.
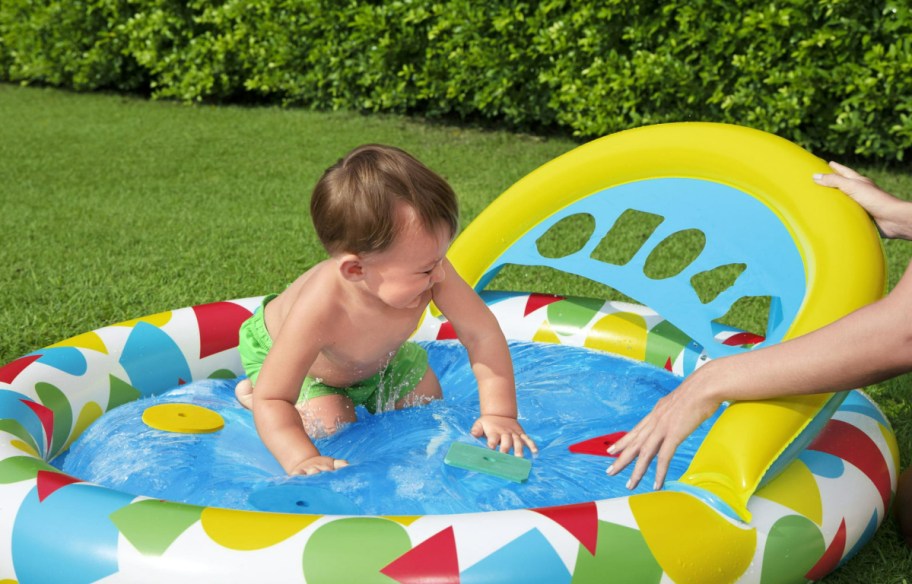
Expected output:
(832, 75)
(68, 44)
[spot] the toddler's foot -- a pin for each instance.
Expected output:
(244, 393)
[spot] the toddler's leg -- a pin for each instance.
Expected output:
(244, 393)
(322, 415)
(428, 389)
(326, 414)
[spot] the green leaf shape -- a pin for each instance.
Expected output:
(622, 552)
(121, 393)
(328, 556)
(152, 525)
(572, 314)
(223, 374)
(58, 402)
(22, 468)
(18, 430)
(665, 341)
(793, 547)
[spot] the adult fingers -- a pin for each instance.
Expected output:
(620, 444)
(843, 178)
(663, 460)
(625, 457)
(837, 181)
(642, 464)
(633, 437)
(845, 171)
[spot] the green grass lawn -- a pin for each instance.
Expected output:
(115, 207)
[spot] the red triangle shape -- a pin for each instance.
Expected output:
(743, 338)
(580, 519)
(831, 557)
(219, 323)
(432, 561)
(536, 301)
(11, 370)
(668, 365)
(598, 445)
(446, 332)
(49, 482)
(45, 416)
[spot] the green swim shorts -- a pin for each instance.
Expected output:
(377, 393)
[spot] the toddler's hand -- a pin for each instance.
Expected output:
(503, 431)
(317, 464)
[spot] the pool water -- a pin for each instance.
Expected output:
(565, 395)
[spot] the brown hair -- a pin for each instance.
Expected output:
(353, 203)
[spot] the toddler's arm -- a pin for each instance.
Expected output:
(277, 420)
(480, 333)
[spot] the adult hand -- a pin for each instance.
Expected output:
(880, 205)
(503, 431)
(658, 435)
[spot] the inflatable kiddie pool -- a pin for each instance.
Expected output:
(781, 490)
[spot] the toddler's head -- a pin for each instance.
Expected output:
(353, 205)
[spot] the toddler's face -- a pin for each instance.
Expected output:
(402, 274)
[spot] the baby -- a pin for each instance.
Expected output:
(336, 337)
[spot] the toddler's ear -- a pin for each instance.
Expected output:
(351, 267)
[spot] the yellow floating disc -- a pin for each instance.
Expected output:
(183, 418)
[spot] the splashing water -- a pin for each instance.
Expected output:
(565, 394)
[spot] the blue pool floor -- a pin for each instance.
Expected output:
(565, 395)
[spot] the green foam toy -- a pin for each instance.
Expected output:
(485, 460)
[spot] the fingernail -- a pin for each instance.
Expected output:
(818, 176)
(655, 486)
(630, 484)
(611, 449)
(610, 469)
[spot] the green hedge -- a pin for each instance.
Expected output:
(833, 75)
